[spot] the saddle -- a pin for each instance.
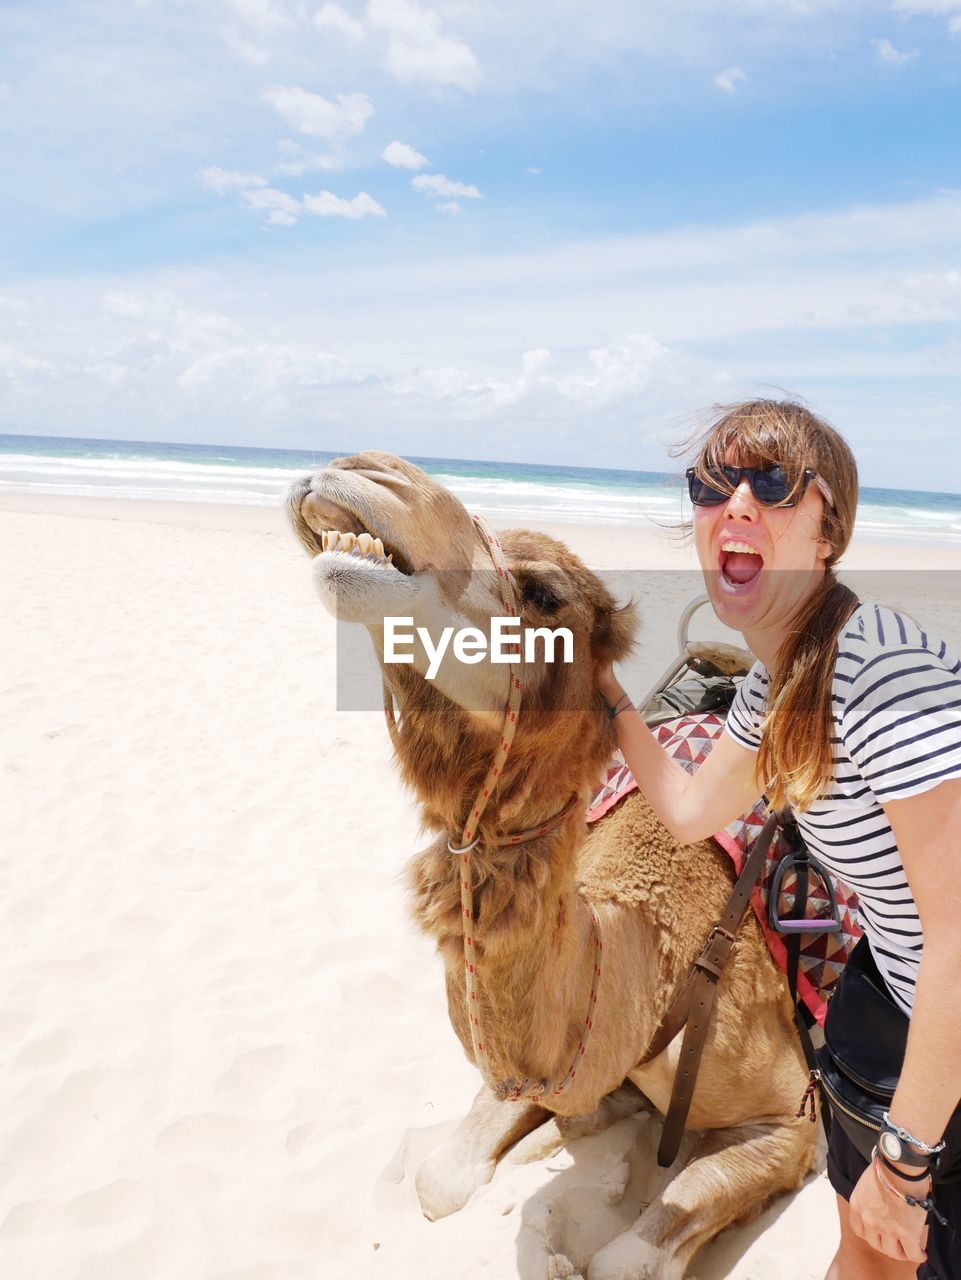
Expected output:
(810, 928)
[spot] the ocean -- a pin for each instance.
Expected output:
(505, 490)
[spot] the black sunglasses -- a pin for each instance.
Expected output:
(770, 486)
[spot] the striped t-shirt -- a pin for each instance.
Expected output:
(897, 733)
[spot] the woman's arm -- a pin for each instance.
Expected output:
(692, 807)
(927, 828)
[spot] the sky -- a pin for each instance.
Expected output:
(503, 229)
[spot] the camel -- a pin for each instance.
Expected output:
(389, 541)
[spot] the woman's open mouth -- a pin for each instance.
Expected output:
(740, 564)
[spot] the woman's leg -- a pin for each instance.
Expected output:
(856, 1260)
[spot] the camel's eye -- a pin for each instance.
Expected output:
(541, 595)
(541, 585)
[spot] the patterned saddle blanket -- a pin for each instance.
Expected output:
(823, 955)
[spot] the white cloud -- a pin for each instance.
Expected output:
(252, 53)
(941, 286)
(121, 302)
(417, 50)
(326, 205)
(840, 306)
(933, 8)
(213, 178)
(437, 184)
(320, 117)
(451, 206)
(270, 375)
(332, 17)
(271, 198)
(261, 15)
(299, 161)
(20, 369)
(309, 164)
(532, 171)
(729, 80)
(283, 209)
(401, 156)
(887, 53)
(584, 383)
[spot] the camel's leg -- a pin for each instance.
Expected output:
(466, 1160)
(730, 1177)
(558, 1131)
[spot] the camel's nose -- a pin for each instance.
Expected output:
(310, 509)
(319, 512)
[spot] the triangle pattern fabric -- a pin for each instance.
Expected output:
(823, 955)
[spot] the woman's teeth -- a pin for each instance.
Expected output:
(740, 564)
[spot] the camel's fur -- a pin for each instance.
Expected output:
(657, 900)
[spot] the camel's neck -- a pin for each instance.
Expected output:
(531, 943)
(451, 760)
(531, 931)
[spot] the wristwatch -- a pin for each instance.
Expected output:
(899, 1146)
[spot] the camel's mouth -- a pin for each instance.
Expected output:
(361, 545)
(340, 532)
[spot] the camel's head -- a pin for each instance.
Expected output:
(375, 519)
(388, 540)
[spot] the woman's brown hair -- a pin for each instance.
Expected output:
(795, 762)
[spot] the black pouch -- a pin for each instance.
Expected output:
(865, 1036)
(690, 697)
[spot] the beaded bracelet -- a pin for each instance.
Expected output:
(616, 708)
(927, 1204)
(909, 1137)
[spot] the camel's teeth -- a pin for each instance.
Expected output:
(365, 542)
(390, 558)
(378, 548)
(347, 541)
(325, 540)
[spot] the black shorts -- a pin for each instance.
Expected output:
(845, 1166)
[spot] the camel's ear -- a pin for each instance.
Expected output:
(614, 630)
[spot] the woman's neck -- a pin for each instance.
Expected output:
(765, 646)
(767, 637)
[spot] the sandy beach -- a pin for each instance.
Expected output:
(225, 1045)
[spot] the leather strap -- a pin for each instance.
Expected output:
(802, 869)
(691, 1008)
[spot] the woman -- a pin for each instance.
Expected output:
(853, 715)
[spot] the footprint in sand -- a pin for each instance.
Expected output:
(103, 1207)
(205, 1133)
(95, 966)
(255, 1072)
(51, 1050)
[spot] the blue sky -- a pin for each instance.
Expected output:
(530, 231)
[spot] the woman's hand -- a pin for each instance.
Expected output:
(884, 1221)
(608, 684)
